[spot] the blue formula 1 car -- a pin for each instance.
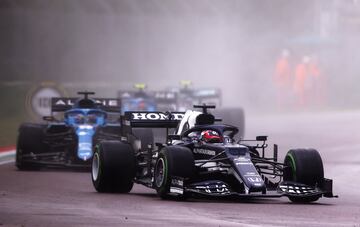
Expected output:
(70, 141)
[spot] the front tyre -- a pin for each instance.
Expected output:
(113, 167)
(173, 161)
(306, 167)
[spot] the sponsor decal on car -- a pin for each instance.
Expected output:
(157, 116)
(242, 161)
(251, 174)
(85, 147)
(214, 189)
(176, 190)
(71, 102)
(177, 182)
(254, 179)
(204, 151)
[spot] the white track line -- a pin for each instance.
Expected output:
(7, 157)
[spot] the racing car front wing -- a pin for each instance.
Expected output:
(217, 188)
(55, 159)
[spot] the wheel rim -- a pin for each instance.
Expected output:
(160, 173)
(95, 166)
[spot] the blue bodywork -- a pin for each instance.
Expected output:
(70, 133)
(85, 123)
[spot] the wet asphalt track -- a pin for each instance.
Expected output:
(65, 198)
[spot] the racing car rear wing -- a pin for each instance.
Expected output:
(152, 119)
(208, 93)
(64, 104)
(204, 95)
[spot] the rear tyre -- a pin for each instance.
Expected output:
(113, 167)
(29, 140)
(173, 161)
(306, 167)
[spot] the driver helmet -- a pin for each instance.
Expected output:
(92, 119)
(210, 136)
(79, 119)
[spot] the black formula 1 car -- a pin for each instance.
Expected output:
(202, 158)
(69, 141)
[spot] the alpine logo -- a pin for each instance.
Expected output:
(64, 102)
(71, 101)
(204, 151)
(108, 102)
(157, 116)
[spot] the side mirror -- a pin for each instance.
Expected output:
(174, 137)
(49, 118)
(261, 138)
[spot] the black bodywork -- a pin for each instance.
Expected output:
(231, 168)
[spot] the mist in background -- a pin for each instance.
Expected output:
(234, 44)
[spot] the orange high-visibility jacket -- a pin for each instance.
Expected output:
(282, 71)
